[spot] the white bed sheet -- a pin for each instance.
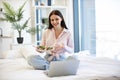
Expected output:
(90, 68)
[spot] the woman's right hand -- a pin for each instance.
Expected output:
(39, 50)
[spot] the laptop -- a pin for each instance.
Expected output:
(63, 68)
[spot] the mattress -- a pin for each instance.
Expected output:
(90, 68)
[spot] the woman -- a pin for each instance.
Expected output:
(58, 38)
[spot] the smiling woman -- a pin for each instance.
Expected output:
(42, 12)
(56, 41)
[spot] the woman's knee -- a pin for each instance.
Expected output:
(37, 62)
(30, 59)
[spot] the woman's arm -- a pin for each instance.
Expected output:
(60, 47)
(42, 43)
(43, 40)
(70, 45)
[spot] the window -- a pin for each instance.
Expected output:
(108, 28)
(85, 26)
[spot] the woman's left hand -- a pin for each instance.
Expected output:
(58, 47)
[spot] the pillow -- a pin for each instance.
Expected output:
(27, 51)
(11, 54)
(81, 54)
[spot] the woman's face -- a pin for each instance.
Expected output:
(55, 20)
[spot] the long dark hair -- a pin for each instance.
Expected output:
(58, 13)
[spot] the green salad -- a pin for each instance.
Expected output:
(45, 48)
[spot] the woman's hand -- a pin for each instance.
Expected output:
(39, 50)
(57, 47)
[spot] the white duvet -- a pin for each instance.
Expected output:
(90, 68)
(14, 67)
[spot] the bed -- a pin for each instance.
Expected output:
(13, 66)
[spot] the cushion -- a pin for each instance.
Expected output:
(81, 54)
(27, 51)
(11, 54)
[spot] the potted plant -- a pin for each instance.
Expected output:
(19, 27)
(15, 17)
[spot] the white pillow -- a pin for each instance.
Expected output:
(81, 54)
(11, 54)
(27, 51)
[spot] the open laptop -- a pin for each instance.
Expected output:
(63, 68)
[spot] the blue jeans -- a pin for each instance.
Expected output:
(41, 63)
